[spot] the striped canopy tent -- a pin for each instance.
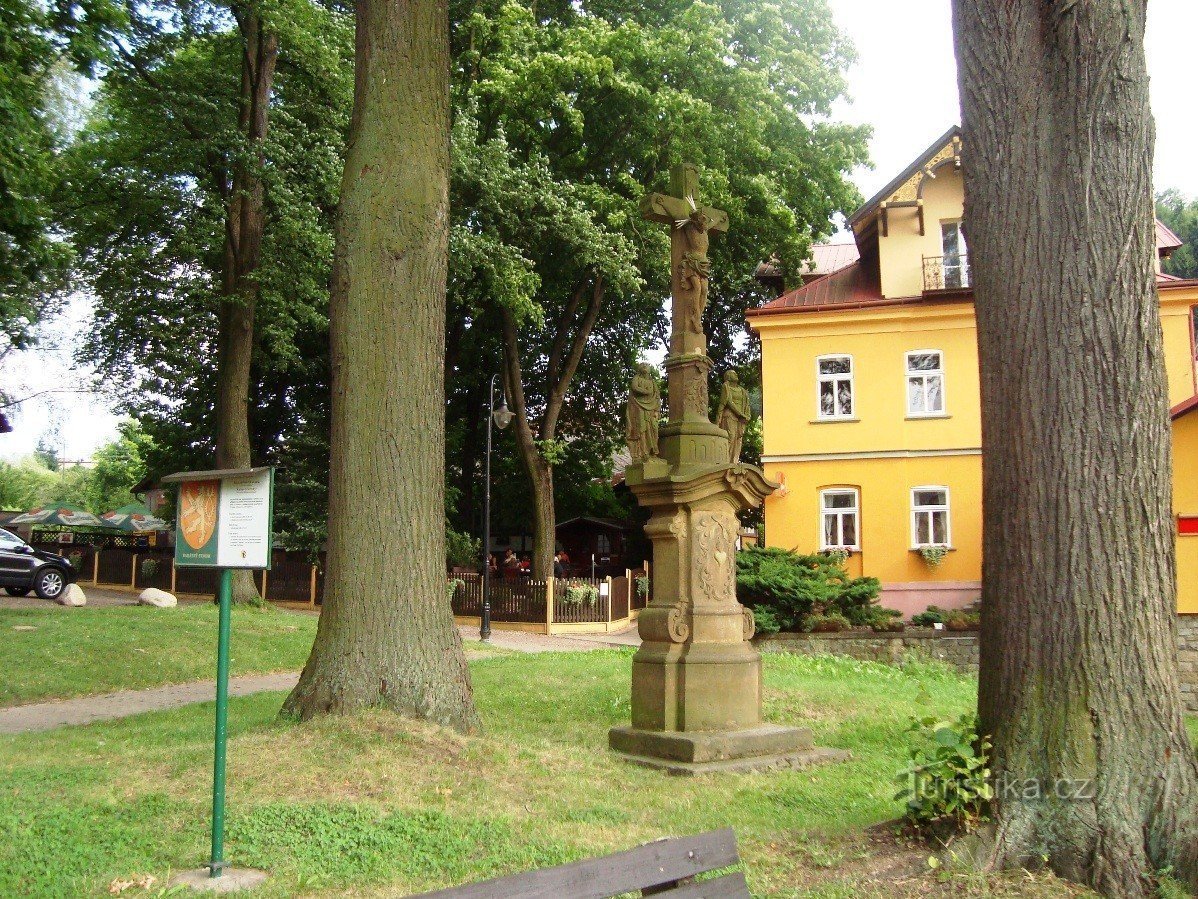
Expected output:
(133, 519)
(60, 515)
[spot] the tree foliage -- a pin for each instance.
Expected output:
(1180, 214)
(33, 257)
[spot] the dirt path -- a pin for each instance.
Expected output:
(106, 706)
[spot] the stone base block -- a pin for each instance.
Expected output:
(790, 761)
(231, 880)
(710, 746)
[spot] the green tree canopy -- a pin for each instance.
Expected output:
(1180, 214)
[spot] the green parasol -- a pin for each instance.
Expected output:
(133, 519)
(60, 514)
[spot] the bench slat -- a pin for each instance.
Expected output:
(730, 886)
(661, 861)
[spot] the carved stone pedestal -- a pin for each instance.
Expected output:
(696, 680)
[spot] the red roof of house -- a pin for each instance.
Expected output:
(1183, 407)
(1166, 240)
(854, 287)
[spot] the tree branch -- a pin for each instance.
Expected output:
(557, 390)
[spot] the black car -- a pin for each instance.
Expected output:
(23, 568)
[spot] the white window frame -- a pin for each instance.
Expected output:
(918, 511)
(834, 380)
(925, 376)
(839, 514)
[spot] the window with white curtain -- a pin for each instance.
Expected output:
(835, 375)
(925, 382)
(929, 517)
(840, 524)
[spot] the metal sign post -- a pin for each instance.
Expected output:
(224, 522)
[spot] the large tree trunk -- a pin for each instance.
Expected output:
(245, 220)
(1079, 684)
(386, 633)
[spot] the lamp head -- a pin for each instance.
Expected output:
(503, 416)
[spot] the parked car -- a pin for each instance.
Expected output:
(24, 569)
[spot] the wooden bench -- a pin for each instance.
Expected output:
(664, 867)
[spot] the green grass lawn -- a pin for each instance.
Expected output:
(74, 652)
(372, 805)
(77, 652)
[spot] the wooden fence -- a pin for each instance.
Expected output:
(562, 605)
(292, 577)
(556, 605)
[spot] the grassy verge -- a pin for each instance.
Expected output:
(81, 651)
(373, 805)
(55, 654)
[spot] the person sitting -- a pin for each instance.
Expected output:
(559, 570)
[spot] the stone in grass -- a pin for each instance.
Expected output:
(72, 595)
(159, 599)
(231, 880)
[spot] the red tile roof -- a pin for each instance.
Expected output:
(1166, 240)
(1183, 407)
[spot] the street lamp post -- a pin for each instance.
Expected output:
(501, 417)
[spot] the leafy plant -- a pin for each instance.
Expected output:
(642, 586)
(960, 620)
(933, 615)
(76, 559)
(794, 586)
(150, 567)
(949, 774)
(451, 587)
(765, 620)
(462, 550)
(831, 623)
(839, 556)
(933, 555)
(578, 593)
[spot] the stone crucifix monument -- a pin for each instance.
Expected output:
(696, 679)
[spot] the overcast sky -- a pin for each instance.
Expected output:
(904, 84)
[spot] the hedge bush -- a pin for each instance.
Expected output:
(785, 590)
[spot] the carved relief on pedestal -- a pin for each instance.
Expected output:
(715, 555)
(677, 626)
(750, 623)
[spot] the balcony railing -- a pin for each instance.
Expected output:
(945, 272)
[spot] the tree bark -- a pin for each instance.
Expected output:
(245, 220)
(386, 634)
(565, 354)
(1079, 682)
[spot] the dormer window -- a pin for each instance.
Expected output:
(835, 375)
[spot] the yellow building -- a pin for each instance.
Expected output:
(871, 406)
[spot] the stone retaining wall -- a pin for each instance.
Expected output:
(1187, 657)
(959, 649)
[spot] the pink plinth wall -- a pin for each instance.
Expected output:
(915, 597)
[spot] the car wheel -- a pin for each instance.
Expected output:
(49, 583)
(17, 591)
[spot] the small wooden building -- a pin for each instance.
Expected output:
(604, 538)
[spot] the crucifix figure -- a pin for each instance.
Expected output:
(689, 223)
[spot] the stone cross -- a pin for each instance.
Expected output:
(687, 364)
(689, 223)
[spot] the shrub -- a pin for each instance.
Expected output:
(462, 550)
(889, 625)
(934, 615)
(149, 567)
(949, 774)
(578, 593)
(452, 586)
(958, 620)
(829, 623)
(642, 586)
(765, 620)
(75, 559)
(793, 586)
